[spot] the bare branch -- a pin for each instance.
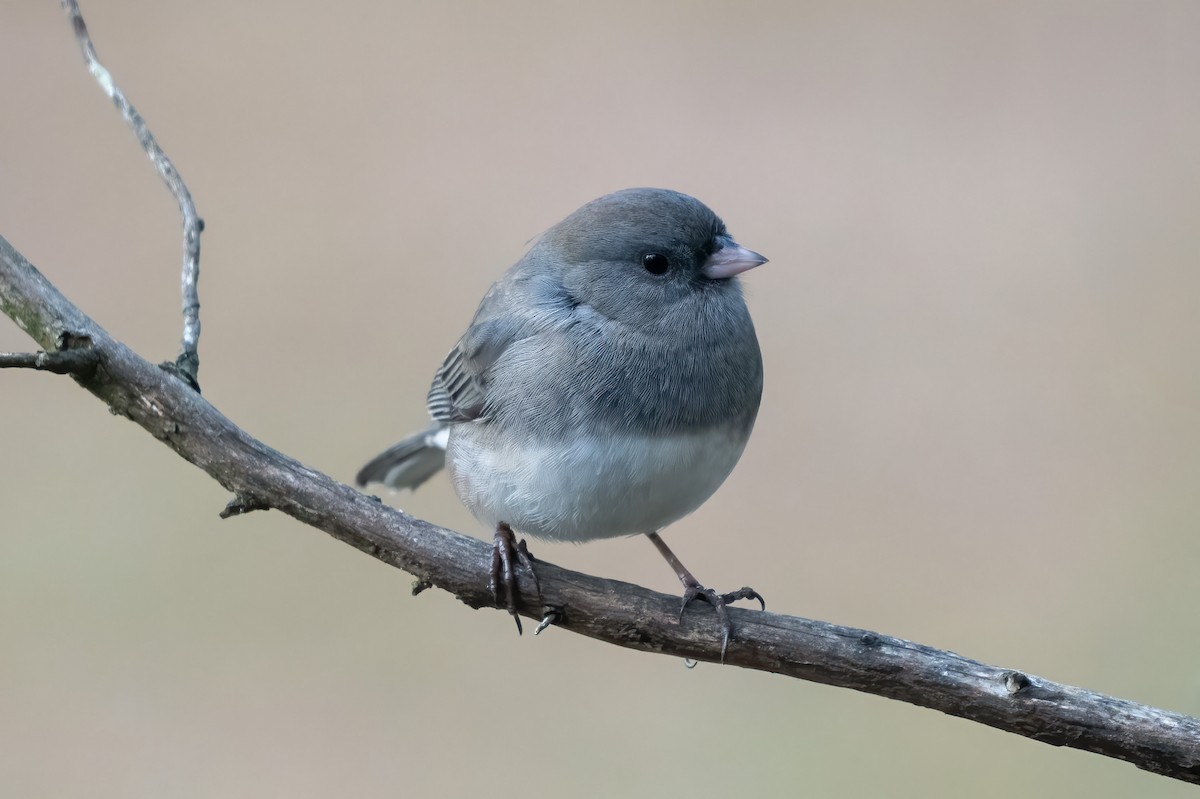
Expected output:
(188, 362)
(627, 615)
(66, 362)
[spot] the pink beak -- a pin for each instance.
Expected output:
(730, 260)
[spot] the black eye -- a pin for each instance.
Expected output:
(656, 263)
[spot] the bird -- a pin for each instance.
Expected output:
(606, 386)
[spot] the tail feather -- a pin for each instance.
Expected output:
(408, 463)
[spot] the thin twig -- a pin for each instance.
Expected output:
(188, 362)
(65, 362)
(627, 615)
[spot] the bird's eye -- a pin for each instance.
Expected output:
(656, 263)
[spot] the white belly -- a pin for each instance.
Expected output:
(592, 488)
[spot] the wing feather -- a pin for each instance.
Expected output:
(515, 308)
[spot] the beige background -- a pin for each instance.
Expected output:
(981, 426)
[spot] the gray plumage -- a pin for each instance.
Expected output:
(591, 395)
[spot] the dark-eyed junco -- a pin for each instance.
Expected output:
(606, 386)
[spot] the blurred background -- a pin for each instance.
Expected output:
(980, 430)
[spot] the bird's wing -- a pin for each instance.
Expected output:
(513, 309)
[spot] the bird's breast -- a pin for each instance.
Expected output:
(588, 486)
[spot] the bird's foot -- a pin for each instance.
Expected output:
(507, 552)
(694, 591)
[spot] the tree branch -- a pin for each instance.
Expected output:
(62, 362)
(188, 361)
(619, 613)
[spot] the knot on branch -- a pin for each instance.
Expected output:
(243, 503)
(1015, 682)
(73, 355)
(185, 367)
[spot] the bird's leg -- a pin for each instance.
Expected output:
(693, 590)
(506, 554)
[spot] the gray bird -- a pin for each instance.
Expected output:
(606, 386)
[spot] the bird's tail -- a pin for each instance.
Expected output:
(409, 463)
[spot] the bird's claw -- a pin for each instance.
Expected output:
(719, 603)
(506, 553)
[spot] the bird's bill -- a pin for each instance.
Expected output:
(730, 260)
